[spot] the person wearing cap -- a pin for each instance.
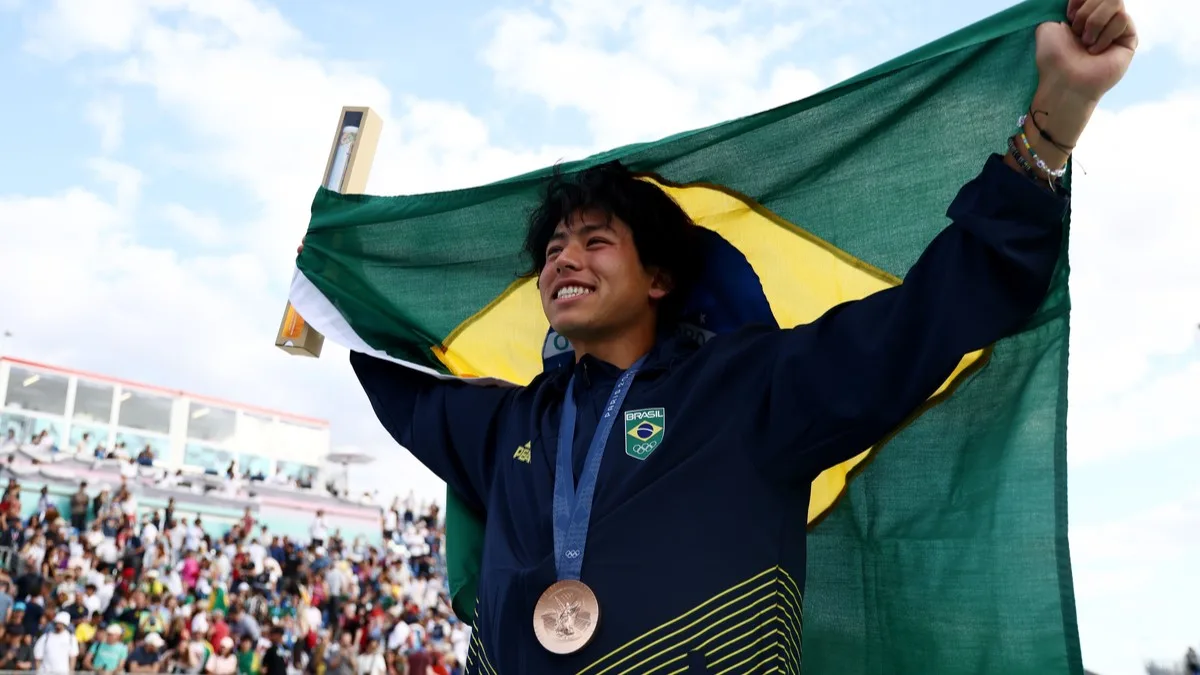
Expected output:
(224, 661)
(109, 653)
(193, 652)
(55, 651)
(146, 656)
(151, 585)
(660, 328)
(16, 619)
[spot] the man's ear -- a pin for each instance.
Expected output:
(660, 284)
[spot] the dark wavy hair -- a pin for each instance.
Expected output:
(665, 236)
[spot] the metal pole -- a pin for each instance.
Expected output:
(346, 171)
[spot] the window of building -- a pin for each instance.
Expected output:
(35, 391)
(209, 423)
(302, 441)
(93, 402)
(295, 470)
(27, 430)
(256, 433)
(20, 426)
(212, 460)
(145, 412)
(132, 444)
(97, 436)
(255, 466)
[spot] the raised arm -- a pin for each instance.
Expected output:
(840, 384)
(450, 426)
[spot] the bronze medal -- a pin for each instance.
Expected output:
(566, 616)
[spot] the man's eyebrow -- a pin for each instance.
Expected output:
(586, 228)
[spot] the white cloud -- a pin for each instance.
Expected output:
(107, 114)
(1135, 281)
(203, 229)
(125, 180)
(436, 145)
(1173, 24)
(1126, 613)
(1155, 414)
(72, 27)
(264, 111)
(678, 66)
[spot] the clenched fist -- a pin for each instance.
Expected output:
(1090, 53)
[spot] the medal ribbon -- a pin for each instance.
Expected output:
(573, 505)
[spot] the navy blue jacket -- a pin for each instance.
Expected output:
(751, 418)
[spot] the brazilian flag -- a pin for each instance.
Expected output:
(217, 602)
(947, 551)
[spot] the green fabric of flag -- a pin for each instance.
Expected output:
(948, 551)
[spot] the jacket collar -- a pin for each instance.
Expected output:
(667, 350)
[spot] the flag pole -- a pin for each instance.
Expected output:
(346, 171)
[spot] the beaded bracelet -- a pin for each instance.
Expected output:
(1026, 167)
(1041, 163)
(1021, 161)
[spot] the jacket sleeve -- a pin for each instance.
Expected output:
(842, 383)
(451, 426)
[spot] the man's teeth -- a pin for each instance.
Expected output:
(572, 291)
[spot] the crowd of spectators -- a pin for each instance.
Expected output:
(113, 587)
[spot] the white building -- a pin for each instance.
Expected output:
(80, 411)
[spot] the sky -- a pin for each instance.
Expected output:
(160, 155)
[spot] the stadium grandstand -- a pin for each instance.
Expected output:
(144, 529)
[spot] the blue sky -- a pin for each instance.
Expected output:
(161, 153)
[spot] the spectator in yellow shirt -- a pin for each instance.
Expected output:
(86, 630)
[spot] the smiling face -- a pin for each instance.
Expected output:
(593, 284)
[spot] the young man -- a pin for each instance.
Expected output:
(587, 561)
